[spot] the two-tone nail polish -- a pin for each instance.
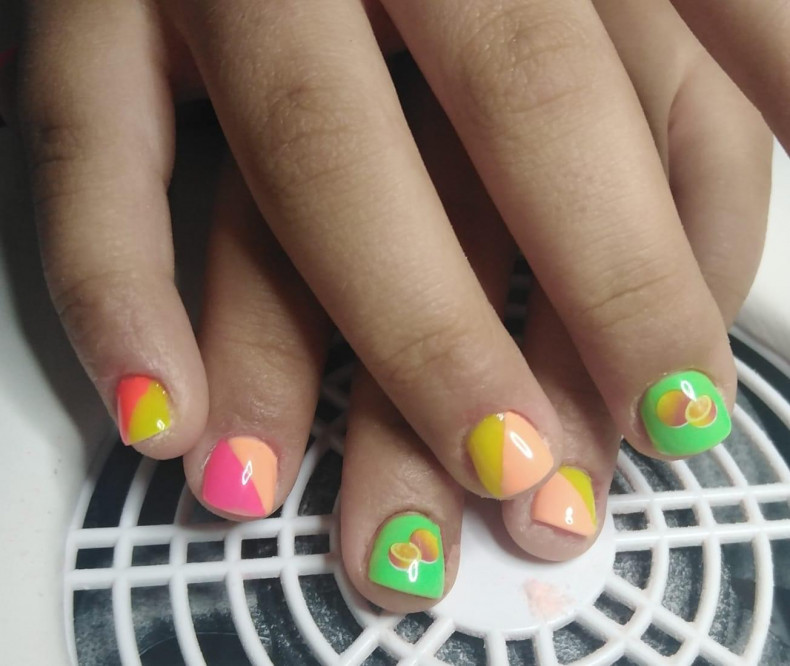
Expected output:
(508, 454)
(240, 477)
(567, 501)
(684, 414)
(408, 556)
(143, 408)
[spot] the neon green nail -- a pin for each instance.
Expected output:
(408, 556)
(684, 414)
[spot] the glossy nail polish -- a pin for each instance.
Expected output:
(508, 454)
(566, 501)
(240, 477)
(408, 556)
(684, 414)
(143, 409)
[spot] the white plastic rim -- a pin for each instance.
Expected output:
(569, 593)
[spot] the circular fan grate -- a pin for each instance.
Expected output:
(688, 569)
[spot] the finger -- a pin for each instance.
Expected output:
(718, 145)
(749, 39)
(721, 188)
(720, 174)
(96, 120)
(562, 518)
(263, 338)
(545, 108)
(400, 510)
(323, 143)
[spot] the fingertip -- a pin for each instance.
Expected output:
(560, 520)
(508, 454)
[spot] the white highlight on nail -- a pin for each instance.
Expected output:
(521, 445)
(688, 389)
(247, 474)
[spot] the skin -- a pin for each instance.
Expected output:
(602, 156)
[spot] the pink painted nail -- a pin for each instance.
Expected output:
(240, 477)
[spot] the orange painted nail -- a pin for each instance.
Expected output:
(567, 502)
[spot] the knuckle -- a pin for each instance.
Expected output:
(314, 131)
(72, 163)
(268, 346)
(88, 304)
(438, 348)
(52, 149)
(524, 60)
(621, 298)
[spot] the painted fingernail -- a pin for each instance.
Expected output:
(408, 556)
(240, 477)
(685, 414)
(566, 501)
(508, 454)
(143, 409)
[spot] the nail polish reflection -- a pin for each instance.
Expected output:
(414, 571)
(521, 445)
(247, 475)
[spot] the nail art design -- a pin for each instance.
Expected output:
(240, 477)
(684, 414)
(508, 454)
(567, 502)
(143, 409)
(408, 556)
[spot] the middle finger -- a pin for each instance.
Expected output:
(307, 104)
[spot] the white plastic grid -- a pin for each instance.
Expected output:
(378, 629)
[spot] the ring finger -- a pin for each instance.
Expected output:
(544, 106)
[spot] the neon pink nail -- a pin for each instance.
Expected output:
(241, 477)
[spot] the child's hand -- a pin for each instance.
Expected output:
(544, 107)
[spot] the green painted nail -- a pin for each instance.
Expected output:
(408, 556)
(684, 414)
